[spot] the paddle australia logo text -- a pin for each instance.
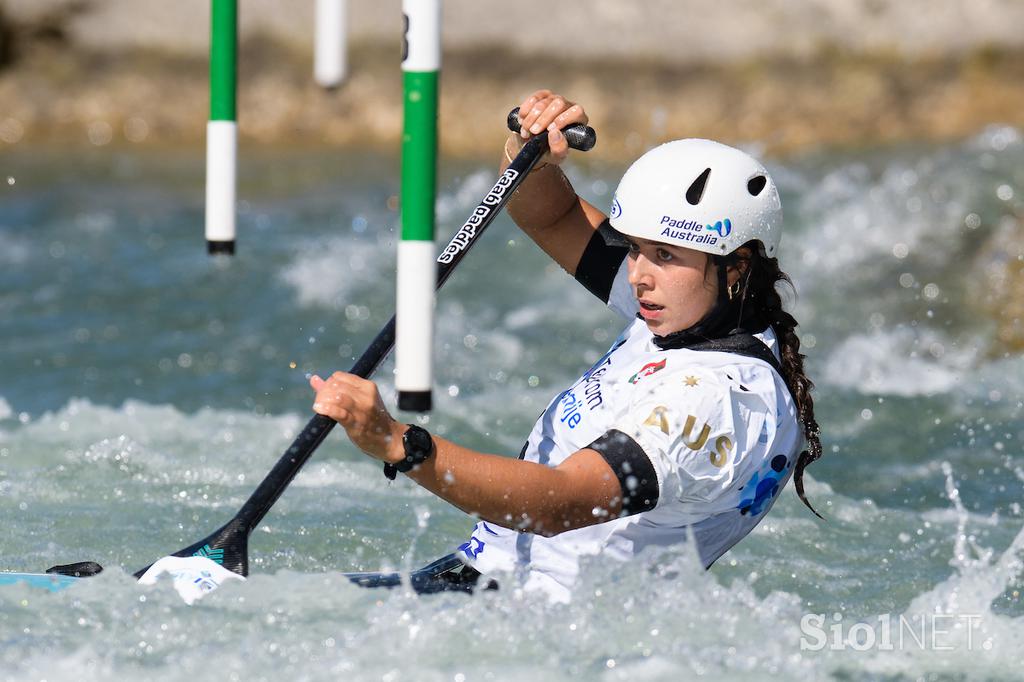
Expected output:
(693, 231)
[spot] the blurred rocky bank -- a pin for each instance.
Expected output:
(787, 75)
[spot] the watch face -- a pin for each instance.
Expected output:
(417, 442)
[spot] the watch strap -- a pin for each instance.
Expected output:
(413, 456)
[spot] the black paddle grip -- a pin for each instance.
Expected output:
(579, 136)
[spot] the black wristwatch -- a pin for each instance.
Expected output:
(418, 446)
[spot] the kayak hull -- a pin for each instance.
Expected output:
(444, 575)
(48, 581)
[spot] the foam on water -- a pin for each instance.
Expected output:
(665, 617)
(661, 618)
(854, 214)
(159, 428)
(902, 361)
(453, 204)
(952, 628)
(330, 273)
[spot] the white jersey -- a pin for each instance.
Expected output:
(720, 431)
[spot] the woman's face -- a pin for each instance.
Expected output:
(675, 286)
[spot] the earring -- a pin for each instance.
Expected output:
(733, 290)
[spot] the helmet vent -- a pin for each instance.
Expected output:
(696, 191)
(756, 184)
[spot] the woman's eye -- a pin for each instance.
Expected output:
(634, 247)
(664, 255)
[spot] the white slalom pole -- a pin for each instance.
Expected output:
(331, 43)
(221, 169)
(222, 130)
(414, 324)
(417, 269)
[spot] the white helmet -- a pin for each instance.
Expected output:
(699, 194)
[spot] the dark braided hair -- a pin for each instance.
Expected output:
(759, 305)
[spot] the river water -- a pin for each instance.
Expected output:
(146, 388)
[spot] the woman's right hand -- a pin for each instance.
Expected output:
(546, 110)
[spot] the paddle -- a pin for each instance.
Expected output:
(229, 545)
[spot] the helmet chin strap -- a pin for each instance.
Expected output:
(743, 300)
(716, 324)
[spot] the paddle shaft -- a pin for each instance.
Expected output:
(229, 543)
(264, 497)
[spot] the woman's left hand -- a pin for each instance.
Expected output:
(546, 112)
(355, 403)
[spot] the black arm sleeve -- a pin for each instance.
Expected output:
(632, 467)
(599, 264)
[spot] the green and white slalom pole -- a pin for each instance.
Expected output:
(222, 130)
(417, 269)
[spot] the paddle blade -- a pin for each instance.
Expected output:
(228, 546)
(82, 569)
